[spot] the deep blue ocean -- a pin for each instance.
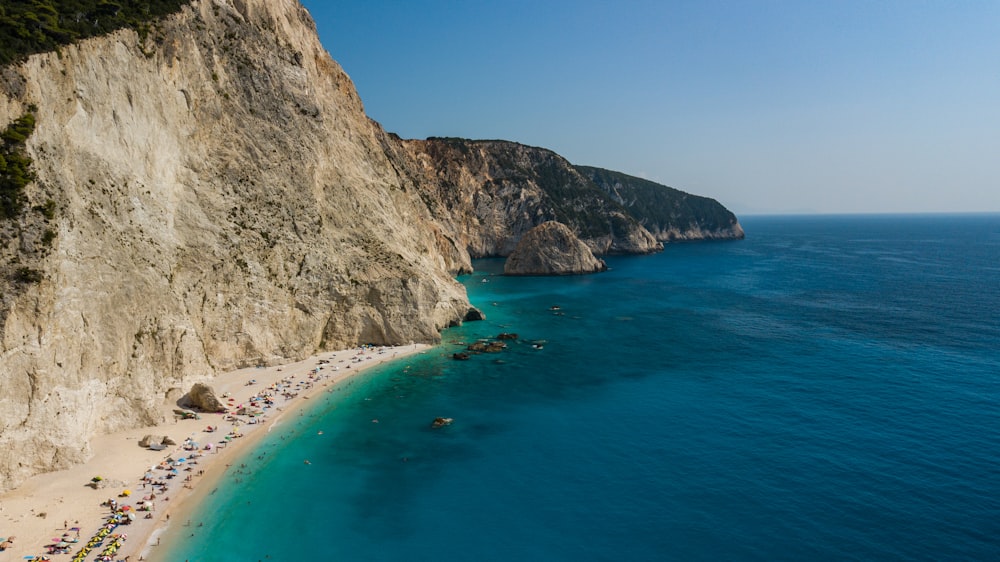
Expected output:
(827, 389)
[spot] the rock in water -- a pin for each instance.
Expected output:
(203, 397)
(234, 214)
(441, 422)
(551, 248)
(474, 315)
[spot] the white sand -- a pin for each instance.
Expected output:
(41, 510)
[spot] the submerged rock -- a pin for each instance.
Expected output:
(487, 346)
(441, 422)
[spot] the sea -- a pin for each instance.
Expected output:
(826, 389)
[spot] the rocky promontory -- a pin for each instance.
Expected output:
(669, 214)
(206, 192)
(491, 193)
(551, 248)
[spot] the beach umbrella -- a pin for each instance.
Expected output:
(126, 492)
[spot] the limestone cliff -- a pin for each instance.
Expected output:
(211, 197)
(551, 248)
(490, 193)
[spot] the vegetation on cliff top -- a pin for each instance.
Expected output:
(658, 206)
(36, 26)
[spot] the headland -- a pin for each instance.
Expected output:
(146, 489)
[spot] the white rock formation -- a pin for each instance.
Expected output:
(220, 200)
(551, 248)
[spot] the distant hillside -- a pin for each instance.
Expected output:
(37, 26)
(492, 192)
(509, 188)
(670, 214)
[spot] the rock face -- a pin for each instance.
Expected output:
(202, 396)
(551, 248)
(474, 315)
(490, 193)
(211, 198)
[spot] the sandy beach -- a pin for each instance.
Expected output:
(66, 506)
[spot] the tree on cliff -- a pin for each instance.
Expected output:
(37, 26)
(15, 165)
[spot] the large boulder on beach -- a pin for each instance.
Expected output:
(551, 248)
(202, 396)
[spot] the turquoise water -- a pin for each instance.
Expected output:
(827, 389)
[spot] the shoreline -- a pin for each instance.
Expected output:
(63, 504)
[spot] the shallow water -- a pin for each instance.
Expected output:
(826, 389)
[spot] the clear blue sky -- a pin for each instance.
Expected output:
(769, 107)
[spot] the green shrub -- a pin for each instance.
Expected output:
(27, 275)
(15, 165)
(38, 26)
(48, 209)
